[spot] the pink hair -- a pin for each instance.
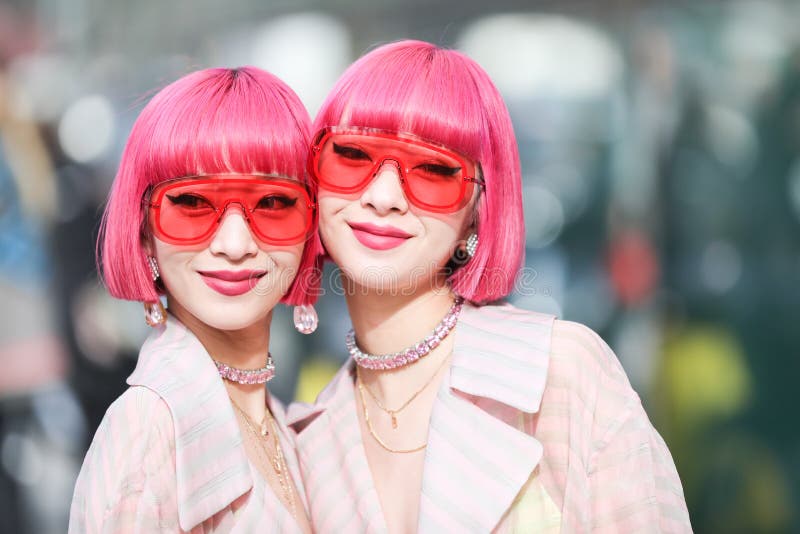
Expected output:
(211, 121)
(444, 96)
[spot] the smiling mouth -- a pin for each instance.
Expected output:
(232, 283)
(377, 237)
(385, 231)
(234, 276)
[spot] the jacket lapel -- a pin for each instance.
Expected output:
(337, 478)
(477, 459)
(210, 462)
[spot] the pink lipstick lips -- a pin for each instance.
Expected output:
(231, 283)
(379, 237)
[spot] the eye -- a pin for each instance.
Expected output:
(275, 202)
(351, 152)
(437, 170)
(189, 201)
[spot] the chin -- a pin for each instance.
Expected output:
(230, 322)
(386, 278)
(233, 315)
(391, 276)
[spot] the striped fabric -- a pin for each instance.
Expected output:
(535, 429)
(168, 455)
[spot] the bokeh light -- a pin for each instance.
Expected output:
(87, 128)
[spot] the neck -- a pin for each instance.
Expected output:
(388, 323)
(244, 348)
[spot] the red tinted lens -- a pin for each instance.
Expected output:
(436, 181)
(344, 163)
(280, 214)
(434, 177)
(189, 211)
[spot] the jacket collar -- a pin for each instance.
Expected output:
(499, 369)
(501, 355)
(480, 449)
(210, 461)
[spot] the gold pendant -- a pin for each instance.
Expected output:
(394, 420)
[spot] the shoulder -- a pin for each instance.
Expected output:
(586, 373)
(135, 439)
(632, 479)
(581, 348)
(138, 413)
(129, 470)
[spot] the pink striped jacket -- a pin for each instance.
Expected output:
(169, 457)
(535, 429)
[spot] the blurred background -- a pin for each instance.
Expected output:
(660, 146)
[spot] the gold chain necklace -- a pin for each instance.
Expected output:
(393, 413)
(375, 436)
(277, 461)
(372, 432)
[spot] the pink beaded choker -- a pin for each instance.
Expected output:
(247, 376)
(412, 353)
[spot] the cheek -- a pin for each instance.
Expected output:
(172, 260)
(443, 238)
(287, 257)
(283, 266)
(331, 218)
(331, 204)
(176, 273)
(448, 226)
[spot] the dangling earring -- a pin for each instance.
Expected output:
(472, 244)
(154, 313)
(153, 267)
(305, 318)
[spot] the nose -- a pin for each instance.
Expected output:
(385, 192)
(233, 237)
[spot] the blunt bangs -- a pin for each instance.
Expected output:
(213, 121)
(420, 90)
(445, 97)
(222, 121)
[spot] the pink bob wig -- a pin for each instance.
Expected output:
(445, 97)
(212, 121)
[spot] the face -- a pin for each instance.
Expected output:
(382, 241)
(232, 279)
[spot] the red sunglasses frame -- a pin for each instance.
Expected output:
(467, 181)
(155, 195)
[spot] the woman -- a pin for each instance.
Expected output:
(454, 415)
(213, 179)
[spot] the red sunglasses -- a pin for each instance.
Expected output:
(188, 210)
(434, 178)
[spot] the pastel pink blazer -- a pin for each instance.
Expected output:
(535, 429)
(168, 455)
